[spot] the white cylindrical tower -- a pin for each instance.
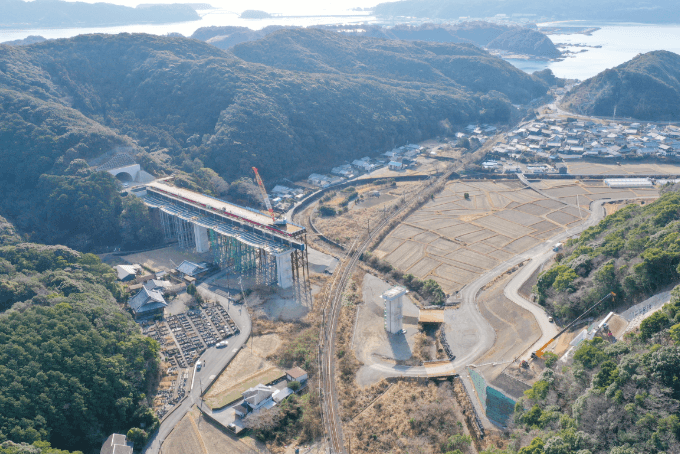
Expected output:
(394, 307)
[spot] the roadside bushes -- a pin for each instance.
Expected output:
(429, 289)
(326, 211)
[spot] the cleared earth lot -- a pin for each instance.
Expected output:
(472, 226)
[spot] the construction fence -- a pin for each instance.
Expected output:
(497, 406)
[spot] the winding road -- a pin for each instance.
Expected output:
(485, 334)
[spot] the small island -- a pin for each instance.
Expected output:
(254, 14)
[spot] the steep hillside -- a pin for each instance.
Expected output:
(180, 104)
(612, 397)
(525, 41)
(633, 253)
(646, 88)
(394, 62)
(74, 366)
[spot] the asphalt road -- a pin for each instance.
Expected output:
(473, 320)
(214, 361)
(541, 254)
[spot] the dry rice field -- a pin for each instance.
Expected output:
(453, 240)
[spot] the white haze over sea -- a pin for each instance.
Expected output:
(620, 42)
(225, 13)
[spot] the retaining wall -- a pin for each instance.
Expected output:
(497, 406)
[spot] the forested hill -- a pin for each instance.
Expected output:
(514, 38)
(648, 11)
(461, 67)
(633, 253)
(645, 88)
(612, 396)
(74, 366)
(51, 13)
(525, 41)
(182, 104)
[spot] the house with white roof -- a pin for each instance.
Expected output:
(258, 397)
(117, 444)
(191, 269)
(127, 272)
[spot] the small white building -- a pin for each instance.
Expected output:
(258, 396)
(394, 165)
(629, 183)
(127, 272)
(394, 309)
(296, 374)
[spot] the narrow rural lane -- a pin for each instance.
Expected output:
(214, 359)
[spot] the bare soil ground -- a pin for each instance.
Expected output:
(516, 328)
(244, 364)
(185, 438)
(453, 238)
(165, 259)
(344, 227)
(195, 434)
(414, 417)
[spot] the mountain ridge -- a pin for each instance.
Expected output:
(645, 88)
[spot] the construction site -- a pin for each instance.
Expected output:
(473, 237)
(242, 240)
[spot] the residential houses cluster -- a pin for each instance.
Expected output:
(395, 159)
(149, 299)
(480, 133)
(560, 139)
(284, 197)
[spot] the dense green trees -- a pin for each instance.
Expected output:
(632, 253)
(615, 398)
(73, 366)
(37, 447)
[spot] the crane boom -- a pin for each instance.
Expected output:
(264, 194)
(541, 351)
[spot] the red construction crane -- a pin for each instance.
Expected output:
(264, 194)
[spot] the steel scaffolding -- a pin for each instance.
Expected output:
(177, 228)
(300, 265)
(237, 257)
(237, 247)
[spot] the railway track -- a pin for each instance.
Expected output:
(333, 304)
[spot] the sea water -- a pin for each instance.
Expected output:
(620, 43)
(287, 13)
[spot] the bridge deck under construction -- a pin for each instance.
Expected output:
(241, 239)
(226, 209)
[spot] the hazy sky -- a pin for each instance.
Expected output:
(272, 6)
